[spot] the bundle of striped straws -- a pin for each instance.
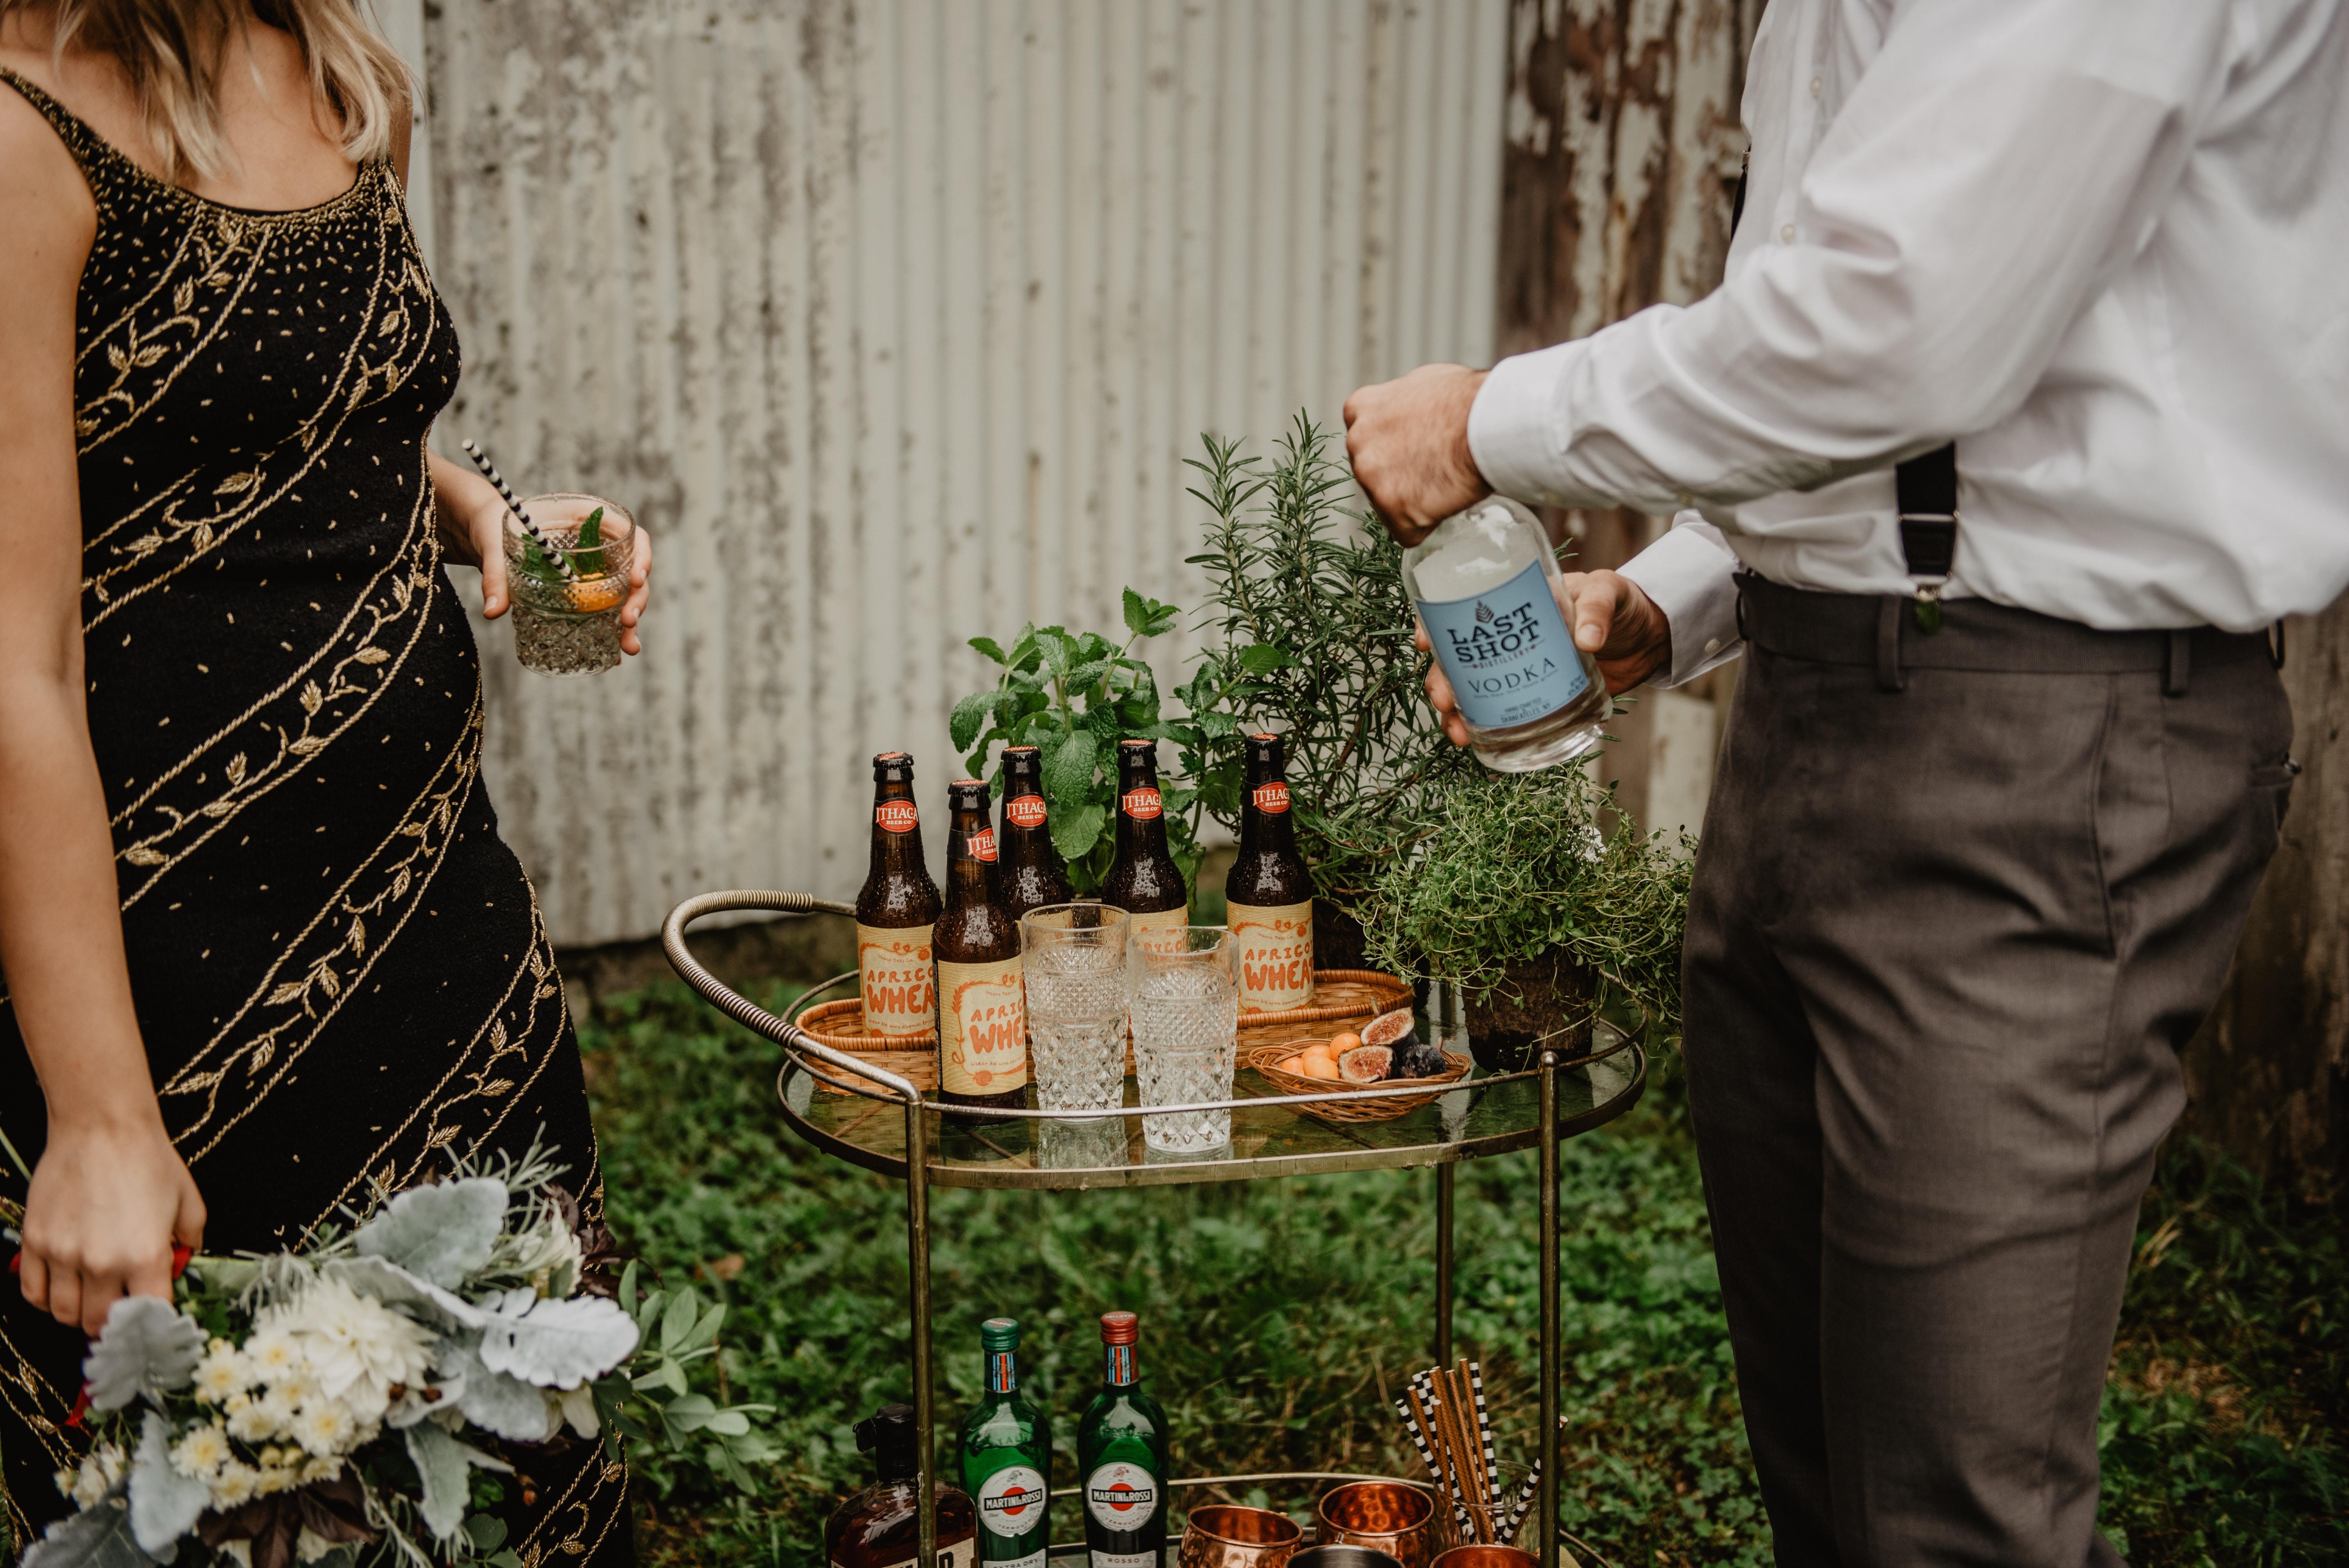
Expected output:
(1444, 1411)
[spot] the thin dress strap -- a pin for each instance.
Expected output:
(86, 146)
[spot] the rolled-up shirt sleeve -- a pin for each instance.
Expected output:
(1691, 573)
(1997, 162)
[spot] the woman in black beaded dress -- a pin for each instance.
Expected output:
(262, 942)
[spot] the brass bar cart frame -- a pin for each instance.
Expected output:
(919, 1161)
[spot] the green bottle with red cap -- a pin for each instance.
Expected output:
(1121, 1459)
(1006, 1456)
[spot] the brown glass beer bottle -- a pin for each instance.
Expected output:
(1031, 872)
(1144, 880)
(982, 1008)
(896, 909)
(1269, 890)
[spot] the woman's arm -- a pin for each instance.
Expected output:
(471, 518)
(111, 1193)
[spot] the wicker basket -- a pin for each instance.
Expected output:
(1339, 994)
(1265, 1059)
(841, 1026)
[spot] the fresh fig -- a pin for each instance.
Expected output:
(1366, 1064)
(1395, 1029)
(1419, 1059)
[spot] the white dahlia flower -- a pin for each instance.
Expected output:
(354, 1348)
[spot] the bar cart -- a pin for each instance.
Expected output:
(870, 1117)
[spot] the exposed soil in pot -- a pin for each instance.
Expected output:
(1538, 997)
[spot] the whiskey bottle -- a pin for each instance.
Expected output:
(879, 1526)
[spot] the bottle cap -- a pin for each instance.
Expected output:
(1131, 741)
(967, 792)
(1265, 748)
(1023, 751)
(999, 1334)
(1119, 1328)
(892, 766)
(888, 1435)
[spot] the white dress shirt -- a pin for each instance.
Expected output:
(2101, 243)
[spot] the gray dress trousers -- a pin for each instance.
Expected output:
(1944, 946)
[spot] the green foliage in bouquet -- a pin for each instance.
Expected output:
(1507, 866)
(1076, 694)
(1310, 634)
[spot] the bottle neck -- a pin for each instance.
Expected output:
(1002, 1371)
(970, 875)
(1137, 785)
(1267, 824)
(896, 828)
(1118, 1368)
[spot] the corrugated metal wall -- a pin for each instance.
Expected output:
(894, 322)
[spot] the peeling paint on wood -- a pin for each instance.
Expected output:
(894, 322)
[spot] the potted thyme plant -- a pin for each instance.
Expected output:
(1536, 895)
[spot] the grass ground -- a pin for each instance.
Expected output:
(1276, 1315)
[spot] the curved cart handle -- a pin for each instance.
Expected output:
(743, 1010)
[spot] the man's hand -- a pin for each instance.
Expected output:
(1408, 438)
(1611, 617)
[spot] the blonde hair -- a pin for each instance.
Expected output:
(173, 51)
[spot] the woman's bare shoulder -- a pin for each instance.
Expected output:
(47, 218)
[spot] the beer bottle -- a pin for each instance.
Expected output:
(1006, 1456)
(1031, 871)
(1121, 1459)
(1269, 890)
(896, 909)
(982, 1011)
(1142, 878)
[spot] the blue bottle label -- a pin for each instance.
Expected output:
(1506, 652)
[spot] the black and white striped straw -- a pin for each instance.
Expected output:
(1526, 1495)
(514, 505)
(1419, 1439)
(1484, 1435)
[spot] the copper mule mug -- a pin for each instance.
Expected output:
(1387, 1516)
(1226, 1535)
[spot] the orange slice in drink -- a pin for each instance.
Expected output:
(590, 596)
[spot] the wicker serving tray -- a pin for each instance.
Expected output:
(1337, 995)
(1265, 1058)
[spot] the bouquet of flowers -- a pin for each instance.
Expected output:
(349, 1403)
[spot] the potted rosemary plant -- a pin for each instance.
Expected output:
(1517, 888)
(1308, 631)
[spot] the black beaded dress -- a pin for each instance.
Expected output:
(340, 967)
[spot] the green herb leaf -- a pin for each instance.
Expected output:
(1076, 829)
(969, 715)
(991, 648)
(1069, 769)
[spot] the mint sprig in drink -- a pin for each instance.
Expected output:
(1485, 584)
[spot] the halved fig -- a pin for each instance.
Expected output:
(1365, 1064)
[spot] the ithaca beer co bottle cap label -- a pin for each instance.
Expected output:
(982, 844)
(1121, 1496)
(1271, 798)
(897, 816)
(893, 970)
(982, 1028)
(1026, 811)
(1506, 652)
(1011, 1501)
(1140, 803)
(1274, 947)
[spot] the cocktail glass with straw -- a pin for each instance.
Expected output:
(569, 625)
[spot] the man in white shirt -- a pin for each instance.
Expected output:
(1986, 828)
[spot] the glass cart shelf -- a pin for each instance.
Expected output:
(869, 1116)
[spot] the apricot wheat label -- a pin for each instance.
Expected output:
(893, 969)
(982, 1028)
(1274, 946)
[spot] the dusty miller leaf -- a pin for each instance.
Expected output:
(147, 1347)
(440, 1464)
(560, 1343)
(164, 1504)
(440, 1234)
(97, 1537)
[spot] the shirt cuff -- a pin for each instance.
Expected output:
(1513, 425)
(1691, 573)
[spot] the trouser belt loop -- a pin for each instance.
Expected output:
(1888, 645)
(2178, 666)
